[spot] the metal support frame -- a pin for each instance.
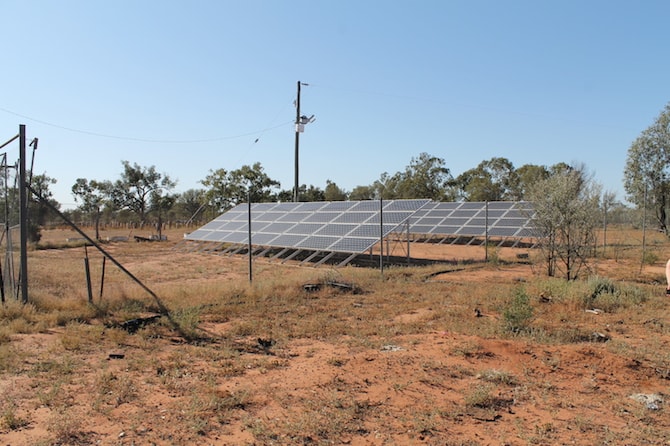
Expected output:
(295, 253)
(311, 256)
(280, 253)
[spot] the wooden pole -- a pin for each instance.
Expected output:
(296, 186)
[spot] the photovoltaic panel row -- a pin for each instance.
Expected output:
(477, 219)
(342, 226)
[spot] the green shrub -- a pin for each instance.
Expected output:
(519, 313)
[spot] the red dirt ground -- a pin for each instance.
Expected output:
(413, 391)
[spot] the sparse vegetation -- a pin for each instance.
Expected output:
(420, 355)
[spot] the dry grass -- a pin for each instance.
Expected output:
(416, 355)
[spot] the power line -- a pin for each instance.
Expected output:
(148, 140)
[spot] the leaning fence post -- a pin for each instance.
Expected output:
(102, 276)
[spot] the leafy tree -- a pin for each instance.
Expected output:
(529, 175)
(305, 193)
(38, 212)
(560, 168)
(566, 216)
(227, 189)
(137, 187)
(386, 187)
(284, 196)
(498, 180)
(425, 177)
(160, 203)
(94, 195)
(647, 171)
(362, 193)
(190, 204)
(492, 180)
(217, 194)
(255, 179)
(333, 192)
(311, 193)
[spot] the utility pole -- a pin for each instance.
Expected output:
(296, 186)
(300, 122)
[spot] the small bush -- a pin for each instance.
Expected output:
(650, 258)
(498, 377)
(481, 396)
(599, 286)
(9, 419)
(519, 313)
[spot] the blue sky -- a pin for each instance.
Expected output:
(192, 86)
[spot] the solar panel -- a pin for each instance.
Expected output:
(337, 226)
(477, 219)
(356, 226)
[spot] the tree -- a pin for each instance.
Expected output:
(160, 202)
(93, 196)
(528, 175)
(425, 177)
(647, 171)
(305, 193)
(498, 180)
(227, 189)
(362, 193)
(566, 216)
(39, 212)
(217, 192)
(252, 179)
(190, 204)
(137, 187)
(332, 192)
(492, 180)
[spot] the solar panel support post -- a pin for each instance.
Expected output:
(408, 256)
(486, 229)
(249, 234)
(381, 235)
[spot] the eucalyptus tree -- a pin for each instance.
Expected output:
(160, 202)
(647, 171)
(40, 212)
(528, 175)
(492, 180)
(333, 192)
(362, 193)
(190, 205)
(305, 193)
(254, 182)
(225, 189)
(426, 176)
(217, 194)
(140, 189)
(93, 195)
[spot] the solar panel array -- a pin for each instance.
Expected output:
(475, 219)
(336, 226)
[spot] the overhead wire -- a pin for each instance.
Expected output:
(147, 140)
